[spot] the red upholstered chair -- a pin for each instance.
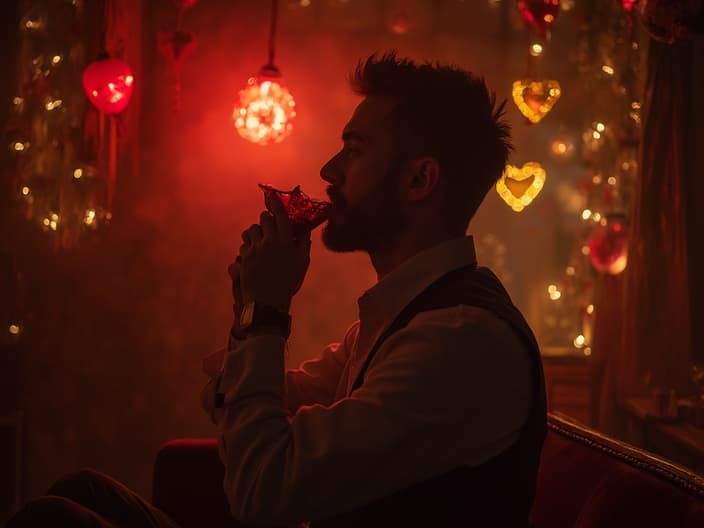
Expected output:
(586, 480)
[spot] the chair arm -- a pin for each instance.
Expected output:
(187, 484)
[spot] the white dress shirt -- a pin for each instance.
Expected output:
(452, 388)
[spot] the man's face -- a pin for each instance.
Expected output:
(364, 182)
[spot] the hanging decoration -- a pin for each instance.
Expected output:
(64, 150)
(628, 4)
(540, 14)
(608, 246)
(535, 99)
(176, 46)
(518, 186)
(265, 109)
(108, 83)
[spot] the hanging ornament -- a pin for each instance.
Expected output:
(518, 186)
(108, 83)
(176, 46)
(539, 13)
(535, 99)
(608, 246)
(265, 108)
(628, 5)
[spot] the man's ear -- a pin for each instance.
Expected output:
(422, 178)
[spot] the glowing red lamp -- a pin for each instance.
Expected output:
(608, 248)
(265, 110)
(108, 83)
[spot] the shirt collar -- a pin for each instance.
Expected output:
(385, 300)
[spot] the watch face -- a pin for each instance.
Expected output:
(247, 315)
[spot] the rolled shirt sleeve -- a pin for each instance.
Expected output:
(450, 389)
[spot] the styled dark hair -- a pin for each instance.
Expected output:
(446, 113)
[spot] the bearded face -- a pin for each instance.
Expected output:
(373, 220)
(364, 178)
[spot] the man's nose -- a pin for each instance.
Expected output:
(326, 171)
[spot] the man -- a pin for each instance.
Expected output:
(431, 411)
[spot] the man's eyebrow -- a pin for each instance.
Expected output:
(353, 135)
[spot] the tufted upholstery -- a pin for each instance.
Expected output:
(586, 480)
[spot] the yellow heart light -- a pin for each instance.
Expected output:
(518, 186)
(535, 99)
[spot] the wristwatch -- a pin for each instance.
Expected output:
(255, 316)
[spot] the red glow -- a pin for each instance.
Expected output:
(628, 4)
(108, 83)
(608, 249)
(264, 112)
(539, 13)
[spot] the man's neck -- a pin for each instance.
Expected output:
(408, 244)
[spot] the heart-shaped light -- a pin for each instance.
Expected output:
(518, 186)
(535, 99)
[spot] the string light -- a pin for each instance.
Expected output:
(554, 293)
(14, 329)
(608, 70)
(586, 214)
(536, 49)
(78, 173)
(89, 217)
(25, 191)
(518, 186)
(579, 341)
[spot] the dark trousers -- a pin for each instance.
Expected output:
(89, 499)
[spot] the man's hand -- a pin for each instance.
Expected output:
(273, 263)
(234, 271)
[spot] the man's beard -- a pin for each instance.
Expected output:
(375, 222)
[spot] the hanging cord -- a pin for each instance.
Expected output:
(272, 31)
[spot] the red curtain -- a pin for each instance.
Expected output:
(645, 334)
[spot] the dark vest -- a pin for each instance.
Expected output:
(498, 493)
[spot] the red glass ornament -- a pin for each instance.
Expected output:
(608, 247)
(303, 212)
(265, 111)
(628, 4)
(108, 83)
(539, 13)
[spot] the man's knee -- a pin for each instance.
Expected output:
(49, 511)
(79, 484)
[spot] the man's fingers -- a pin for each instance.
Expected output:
(268, 224)
(283, 225)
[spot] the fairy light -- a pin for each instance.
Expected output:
(600, 127)
(608, 70)
(554, 293)
(585, 250)
(14, 329)
(536, 49)
(590, 309)
(579, 341)
(78, 173)
(570, 271)
(89, 217)
(586, 214)
(52, 104)
(597, 179)
(611, 180)
(596, 217)
(587, 351)
(25, 191)
(56, 59)
(19, 146)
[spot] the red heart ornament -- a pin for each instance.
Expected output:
(539, 13)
